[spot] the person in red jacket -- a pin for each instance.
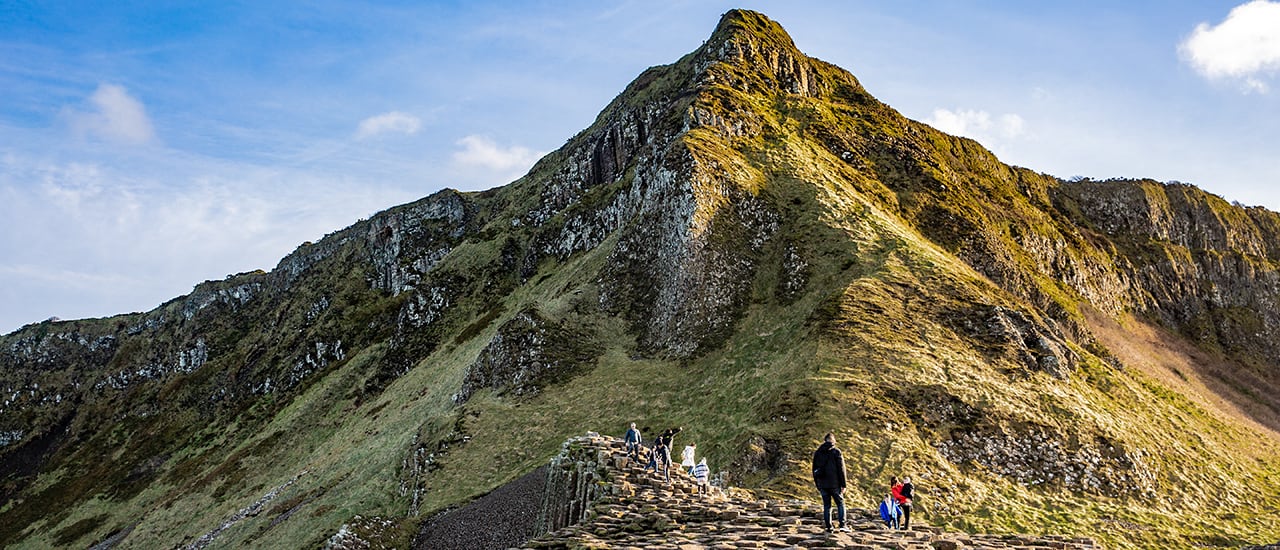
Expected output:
(904, 501)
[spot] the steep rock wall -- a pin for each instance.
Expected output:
(682, 269)
(576, 478)
(1208, 268)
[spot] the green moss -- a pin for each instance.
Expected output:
(74, 532)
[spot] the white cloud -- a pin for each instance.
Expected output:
(116, 116)
(84, 239)
(69, 186)
(483, 152)
(977, 124)
(386, 123)
(1011, 125)
(64, 278)
(1245, 46)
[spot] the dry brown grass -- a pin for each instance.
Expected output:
(1232, 392)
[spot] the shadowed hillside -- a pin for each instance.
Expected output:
(745, 243)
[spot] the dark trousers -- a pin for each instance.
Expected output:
(906, 516)
(659, 460)
(827, 496)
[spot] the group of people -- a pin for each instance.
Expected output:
(895, 509)
(660, 456)
(829, 478)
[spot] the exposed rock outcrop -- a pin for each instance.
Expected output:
(1013, 336)
(1035, 455)
(681, 272)
(405, 243)
(251, 510)
(1206, 267)
(527, 352)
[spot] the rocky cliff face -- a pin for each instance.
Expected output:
(1205, 267)
(527, 352)
(745, 242)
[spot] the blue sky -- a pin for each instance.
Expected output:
(146, 146)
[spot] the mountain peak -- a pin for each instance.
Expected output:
(752, 53)
(755, 26)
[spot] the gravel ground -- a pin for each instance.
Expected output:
(501, 519)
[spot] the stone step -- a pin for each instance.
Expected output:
(642, 509)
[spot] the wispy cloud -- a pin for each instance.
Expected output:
(1245, 47)
(977, 124)
(484, 153)
(64, 278)
(87, 239)
(115, 116)
(394, 122)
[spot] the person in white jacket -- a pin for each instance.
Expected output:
(686, 458)
(701, 472)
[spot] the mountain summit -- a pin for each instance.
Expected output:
(745, 243)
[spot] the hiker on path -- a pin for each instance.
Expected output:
(828, 476)
(700, 472)
(907, 493)
(663, 449)
(895, 490)
(633, 440)
(668, 436)
(653, 455)
(686, 458)
(660, 455)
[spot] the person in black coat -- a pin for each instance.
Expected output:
(660, 457)
(669, 435)
(828, 476)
